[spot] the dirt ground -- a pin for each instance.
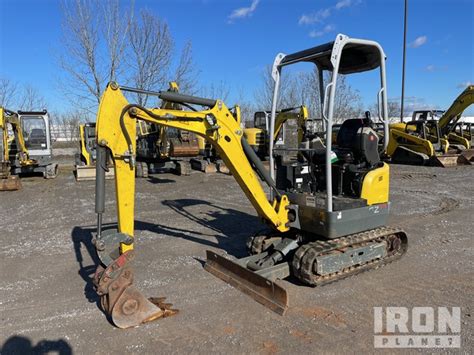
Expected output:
(47, 302)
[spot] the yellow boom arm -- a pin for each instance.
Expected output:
(116, 130)
(300, 116)
(453, 113)
(10, 117)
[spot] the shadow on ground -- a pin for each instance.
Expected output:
(229, 227)
(21, 345)
(159, 180)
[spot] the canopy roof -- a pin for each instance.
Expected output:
(356, 57)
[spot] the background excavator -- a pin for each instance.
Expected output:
(327, 208)
(16, 153)
(85, 160)
(158, 149)
(431, 137)
(209, 160)
(258, 137)
(9, 121)
(164, 149)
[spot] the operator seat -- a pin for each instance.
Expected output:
(357, 143)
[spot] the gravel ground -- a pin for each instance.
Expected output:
(47, 302)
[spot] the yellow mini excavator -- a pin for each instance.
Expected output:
(84, 169)
(431, 138)
(161, 149)
(209, 160)
(258, 137)
(10, 120)
(328, 205)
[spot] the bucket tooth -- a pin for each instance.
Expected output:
(133, 309)
(263, 290)
(119, 298)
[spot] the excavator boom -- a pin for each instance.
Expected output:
(448, 121)
(10, 119)
(116, 133)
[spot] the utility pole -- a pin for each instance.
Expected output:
(404, 59)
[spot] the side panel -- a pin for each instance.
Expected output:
(376, 185)
(341, 223)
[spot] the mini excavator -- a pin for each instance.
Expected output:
(84, 167)
(21, 159)
(161, 148)
(328, 205)
(258, 136)
(431, 137)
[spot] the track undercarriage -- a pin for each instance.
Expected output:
(312, 262)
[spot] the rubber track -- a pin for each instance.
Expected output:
(305, 256)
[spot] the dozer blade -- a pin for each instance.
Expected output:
(264, 291)
(87, 173)
(119, 299)
(445, 160)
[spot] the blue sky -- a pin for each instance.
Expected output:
(234, 40)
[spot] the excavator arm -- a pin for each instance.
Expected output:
(8, 119)
(11, 117)
(116, 135)
(291, 114)
(4, 130)
(116, 130)
(448, 121)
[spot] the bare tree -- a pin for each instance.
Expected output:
(247, 110)
(116, 28)
(303, 89)
(186, 72)
(16, 97)
(393, 107)
(85, 23)
(68, 125)
(264, 95)
(8, 92)
(216, 91)
(31, 99)
(347, 103)
(151, 48)
(80, 61)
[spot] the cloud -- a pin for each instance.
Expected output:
(432, 68)
(418, 42)
(326, 29)
(343, 3)
(464, 84)
(243, 11)
(321, 15)
(315, 17)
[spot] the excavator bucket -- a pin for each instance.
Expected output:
(121, 301)
(263, 290)
(10, 183)
(467, 157)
